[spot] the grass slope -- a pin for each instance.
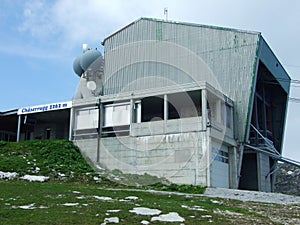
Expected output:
(75, 197)
(66, 203)
(48, 158)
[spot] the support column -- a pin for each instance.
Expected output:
(218, 110)
(131, 120)
(232, 168)
(19, 128)
(204, 109)
(258, 166)
(265, 128)
(166, 112)
(239, 167)
(100, 122)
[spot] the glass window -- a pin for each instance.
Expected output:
(228, 115)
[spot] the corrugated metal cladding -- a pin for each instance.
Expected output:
(152, 53)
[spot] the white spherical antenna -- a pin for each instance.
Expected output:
(91, 85)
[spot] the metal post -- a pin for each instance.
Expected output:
(19, 128)
(71, 125)
(166, 108)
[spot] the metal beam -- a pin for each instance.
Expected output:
(275, 156)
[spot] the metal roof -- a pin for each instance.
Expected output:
(182, 23)
(153, 53)
(9, 112)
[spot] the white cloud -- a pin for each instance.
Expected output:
(75, 22)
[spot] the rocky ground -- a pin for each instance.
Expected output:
(288, 179)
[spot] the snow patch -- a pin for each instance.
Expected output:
(103, 198)
(206, 216)
(61, 174)
(81, 197)
(145, 222)
(30, 206)
(215, 202)
(37, 169)
(34, 178)
(70, 204)
(8, 175)
(96, 178)
(227, 212)
(196, 207)
(111, 220)
(170, 217)
(131, 198)
(113, 210)
(145, 211)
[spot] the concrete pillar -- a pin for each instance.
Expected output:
(208, 148)
(19, 128)
(258, 171)
(166, 112)
(240, 161)
(131, 116)
(233, 177)
(100, 124)
(204, 109)
(218, 110)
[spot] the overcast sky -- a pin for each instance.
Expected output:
(40, 39)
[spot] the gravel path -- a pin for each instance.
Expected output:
(253, 196)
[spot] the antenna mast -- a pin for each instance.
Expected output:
(166, 12)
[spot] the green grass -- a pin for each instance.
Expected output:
(53, 158)
(50, 157)
(51, 197)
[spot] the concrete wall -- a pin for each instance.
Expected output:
(176, 157)
(57, 131)
(88, 148)
(180, 158)
(179, 150)
(193, 124)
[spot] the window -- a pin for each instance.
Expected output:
(117, 114)
(48, 134)
(184, 105)
(152, 108)
(228, 115)
(86, 118)
(220, 155)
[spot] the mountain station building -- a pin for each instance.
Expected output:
(191, 103)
